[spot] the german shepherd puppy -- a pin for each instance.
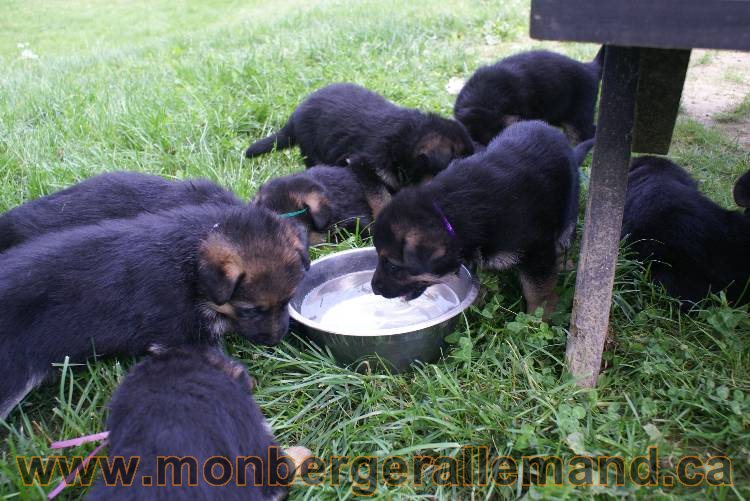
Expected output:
(513, 205)
(693, 245)
(531, 85)
(332, 198)
(128, 286)
(193, 403)
(344, 124)
(113, 195)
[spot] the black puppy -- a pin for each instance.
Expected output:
(128, 286)
(513, 205)
(344, 124)
(531, 85)
(694, 246)
(331, 198)
(194, 404)
(112, 195)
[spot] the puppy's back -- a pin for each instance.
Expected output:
(187, 402)
(538, 144)
(111, 195)
(545, 157)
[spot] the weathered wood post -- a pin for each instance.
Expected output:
(604, 209)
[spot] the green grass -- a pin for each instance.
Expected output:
(180, 88)
(740, 112)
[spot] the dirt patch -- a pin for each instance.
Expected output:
(716, 84)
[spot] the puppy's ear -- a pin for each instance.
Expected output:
(320, 210)
(299, 240)
(742, 190)
(219, 269)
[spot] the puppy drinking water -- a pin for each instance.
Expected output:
(531, 85)
(331, 198)
(344, 124)
(194, 404)
(112, 195)
(694, 246)
(130, 286)
(513, 205)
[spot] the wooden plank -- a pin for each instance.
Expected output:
(662, 75)
(604, 209)
(668, 24)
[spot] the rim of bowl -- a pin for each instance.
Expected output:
(471, 296)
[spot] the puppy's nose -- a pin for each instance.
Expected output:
(376, 287)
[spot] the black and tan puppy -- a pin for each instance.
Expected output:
(128, 286)
(194, 404)
(694, 246)
(331, 197)
(513, 205)
(531, 85)
(113, 195)
(344, 124)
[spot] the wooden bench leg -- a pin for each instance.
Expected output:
(604, 208)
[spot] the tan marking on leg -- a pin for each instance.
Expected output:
(539, 293)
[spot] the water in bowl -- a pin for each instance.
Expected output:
(347, 304)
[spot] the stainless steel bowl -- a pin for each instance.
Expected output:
(399, 347)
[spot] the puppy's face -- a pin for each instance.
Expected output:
(437, 144)
(297, 192)
(248, 271)
(414, 249)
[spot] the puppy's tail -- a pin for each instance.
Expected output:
(581, 150)
(283, 138)
(598, 62)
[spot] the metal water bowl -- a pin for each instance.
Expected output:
(398, 347)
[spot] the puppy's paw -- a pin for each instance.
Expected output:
(299, 455)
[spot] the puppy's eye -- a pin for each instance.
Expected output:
(248, 312)
(392, 268)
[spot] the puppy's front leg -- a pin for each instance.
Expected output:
(538, 277)
(539, 292)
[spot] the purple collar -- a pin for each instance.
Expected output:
(446, 224)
